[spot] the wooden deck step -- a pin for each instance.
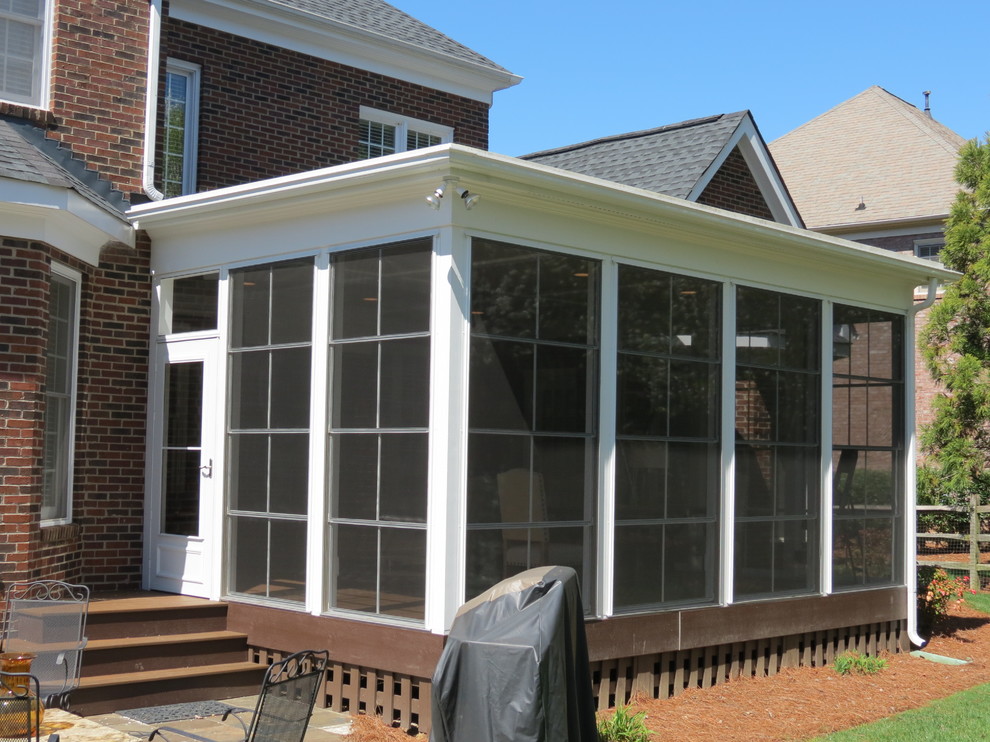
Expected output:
(137, 653)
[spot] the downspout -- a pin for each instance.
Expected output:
(151, 102)
(911, 548)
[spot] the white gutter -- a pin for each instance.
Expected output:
(151, 101)
(911, 516)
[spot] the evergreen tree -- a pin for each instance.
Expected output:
(956, 346)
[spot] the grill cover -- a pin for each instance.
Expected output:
(515, 666)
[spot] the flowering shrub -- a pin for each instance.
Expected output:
(938, 593)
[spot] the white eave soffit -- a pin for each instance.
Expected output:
(321, 38)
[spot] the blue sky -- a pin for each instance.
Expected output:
(593, 69)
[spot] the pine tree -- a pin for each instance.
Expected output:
(956, 346)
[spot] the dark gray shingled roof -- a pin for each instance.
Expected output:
(25, 154)
(668, 160)
(378, 17)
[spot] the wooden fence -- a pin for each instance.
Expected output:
(956, 538)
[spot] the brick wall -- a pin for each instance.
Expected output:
(102, 545)
(733, 188)
(267, 111)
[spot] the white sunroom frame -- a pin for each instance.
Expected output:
(383, 200)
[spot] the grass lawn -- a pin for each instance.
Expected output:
(962, 716)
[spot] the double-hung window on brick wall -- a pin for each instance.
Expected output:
(23, 44)
(383, 133)
(60, 395)
(180, 128)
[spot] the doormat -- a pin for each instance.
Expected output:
(176, 711)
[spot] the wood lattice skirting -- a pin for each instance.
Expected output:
(404, 700)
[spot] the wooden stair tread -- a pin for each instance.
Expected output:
(149, 603)
(162, 639)
(146, 676)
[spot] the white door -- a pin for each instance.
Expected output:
(185, 480)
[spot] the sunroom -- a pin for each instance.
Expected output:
(380, 388)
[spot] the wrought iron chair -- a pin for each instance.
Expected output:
(20, 713)
(285, 703)
(48, 619)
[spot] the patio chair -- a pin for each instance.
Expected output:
(285, 703)
(19, 714)
(48, 619)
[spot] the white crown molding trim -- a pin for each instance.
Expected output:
(335, 42)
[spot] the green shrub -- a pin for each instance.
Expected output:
(854, 663)
(623, 726)
(938, 592)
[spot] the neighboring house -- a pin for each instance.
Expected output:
(877, 170)
(347, 394)
(717, 161)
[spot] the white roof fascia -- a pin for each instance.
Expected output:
(768, 180)
(887, 228)
(528, 185)
(337, 42)
(60, 217)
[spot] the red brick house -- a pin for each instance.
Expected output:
(323, 381)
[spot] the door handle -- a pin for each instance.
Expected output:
(207, 469)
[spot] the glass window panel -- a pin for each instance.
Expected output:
(249, 549)
(858, 414)
(640, 479)
(184, 398)
(794, 549)
(194, 303)
(801, 323)
(355, 385)
(696, 317)
(287, 570)
(291, 374)
(880, 482)
(250, 299)
(644, 316)
(405, 300)
(689, 562)
(405, 383)
(563, 398)
(754, 480)
(841, 423)
(756, 404)
(290, 473)
(798, 404)
(489, 456)
(847, 553)
(758, 330)
(403, 582)
(568, 289)
(292, 302)
(404, 477)
(880, 419)
(694, 391)
(354, 461)
(642, 394)
(180, 496)
(693, 474)
(355, 294)
(796, 480)
(563, 471)
(248, 467)
(501, 386)
(357, 574)
(638, 570)
(503, 289)
(753, 558)
(249, 390)
(485, 565)
(879, 563)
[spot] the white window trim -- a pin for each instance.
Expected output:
(42, 96)
(76, 278)
(404, 124)
(190, 145)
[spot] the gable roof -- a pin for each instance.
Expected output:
(367, 34)
(678, 159)
(874, 149)
(381, 18)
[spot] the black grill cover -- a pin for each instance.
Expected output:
(515, 666)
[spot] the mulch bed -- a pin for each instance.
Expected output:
(802, 703)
